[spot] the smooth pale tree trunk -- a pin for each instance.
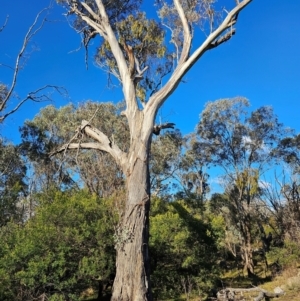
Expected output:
(132, 281)
(248, 261)
(247, 253)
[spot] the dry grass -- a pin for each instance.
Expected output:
(289, 281)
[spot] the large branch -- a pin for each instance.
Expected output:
(187, 40)
(101, 24)
(86, 145)
(113, 43)
(104, 144)
(213, 40)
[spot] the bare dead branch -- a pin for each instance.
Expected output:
(5, 23)
(28, 37)
(228, 293)
(35, 96)
(6, 66)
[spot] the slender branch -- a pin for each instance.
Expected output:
(173, 41)
(6, 66)
(95, 16)
(34, 96)
(5, 23)
(137, 66)
(28, 37)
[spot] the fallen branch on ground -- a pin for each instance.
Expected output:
(229, 294)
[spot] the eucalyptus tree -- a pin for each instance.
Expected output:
(165, 162)
(289, 150)
(132, 49)
(284, 196)
(243, 145)
(12, 183)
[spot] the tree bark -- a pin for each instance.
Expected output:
(132, 281)
(247, 253)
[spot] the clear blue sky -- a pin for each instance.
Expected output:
(261, 62)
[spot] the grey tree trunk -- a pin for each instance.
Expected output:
(132, 282)
(247, 253)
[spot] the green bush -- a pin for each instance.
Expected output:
(64, 249)
(286, 256)
(183, 251)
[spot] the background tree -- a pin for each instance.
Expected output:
(243, 146)
(13, 186)
(283, 195)
(192, 174)
(165, 160)
(129, 59)
(283, 204)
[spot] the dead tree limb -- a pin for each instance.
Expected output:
(5, 23)
(40, 95)
(7, 92)
(229, 294)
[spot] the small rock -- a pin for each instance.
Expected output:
(278, 290)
